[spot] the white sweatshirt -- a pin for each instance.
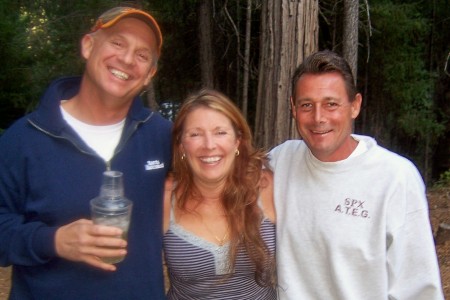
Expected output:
(354, 229)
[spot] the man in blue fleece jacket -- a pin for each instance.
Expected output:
(51, 166)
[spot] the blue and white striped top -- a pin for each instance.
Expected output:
(198, 268)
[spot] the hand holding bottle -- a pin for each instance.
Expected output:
(111, 208)
(85, 242)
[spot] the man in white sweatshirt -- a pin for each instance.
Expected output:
(352, 217)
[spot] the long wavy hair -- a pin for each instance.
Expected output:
(241, 191)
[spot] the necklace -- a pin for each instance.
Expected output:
(220, 241)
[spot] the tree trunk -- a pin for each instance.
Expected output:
(289, 33)
(350, 34)
(150, 97)
(205, 43)
(248, 26)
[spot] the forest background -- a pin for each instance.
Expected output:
(248, 49)
(401, 61)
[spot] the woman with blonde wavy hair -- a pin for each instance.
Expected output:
(219, 217)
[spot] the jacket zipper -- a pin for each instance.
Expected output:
(117, 150)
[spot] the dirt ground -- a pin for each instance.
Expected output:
(4, 282)
(439, 202)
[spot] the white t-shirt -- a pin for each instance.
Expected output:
(103, 139)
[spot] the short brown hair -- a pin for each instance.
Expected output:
(326, 62)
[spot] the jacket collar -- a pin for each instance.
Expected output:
(48, 115)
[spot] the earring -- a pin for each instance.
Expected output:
(236, 152)
(183, 156)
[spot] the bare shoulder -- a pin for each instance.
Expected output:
(266, 193)
(168, 189)
(169, 183)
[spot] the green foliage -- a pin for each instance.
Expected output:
(410, 41)
(40, 41)
(178, 68)
(443, 181)
(401, 89)
(14, 62)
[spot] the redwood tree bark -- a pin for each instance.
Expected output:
(350, 34)
(289, 33)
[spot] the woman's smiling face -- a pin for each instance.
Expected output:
(209, 142)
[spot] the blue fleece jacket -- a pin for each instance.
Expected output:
(48, 175)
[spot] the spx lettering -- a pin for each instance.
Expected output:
(352, 207)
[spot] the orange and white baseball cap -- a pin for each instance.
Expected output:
(112, 16)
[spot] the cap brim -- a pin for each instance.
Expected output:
(141, 15)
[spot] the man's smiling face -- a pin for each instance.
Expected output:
(324, 115)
